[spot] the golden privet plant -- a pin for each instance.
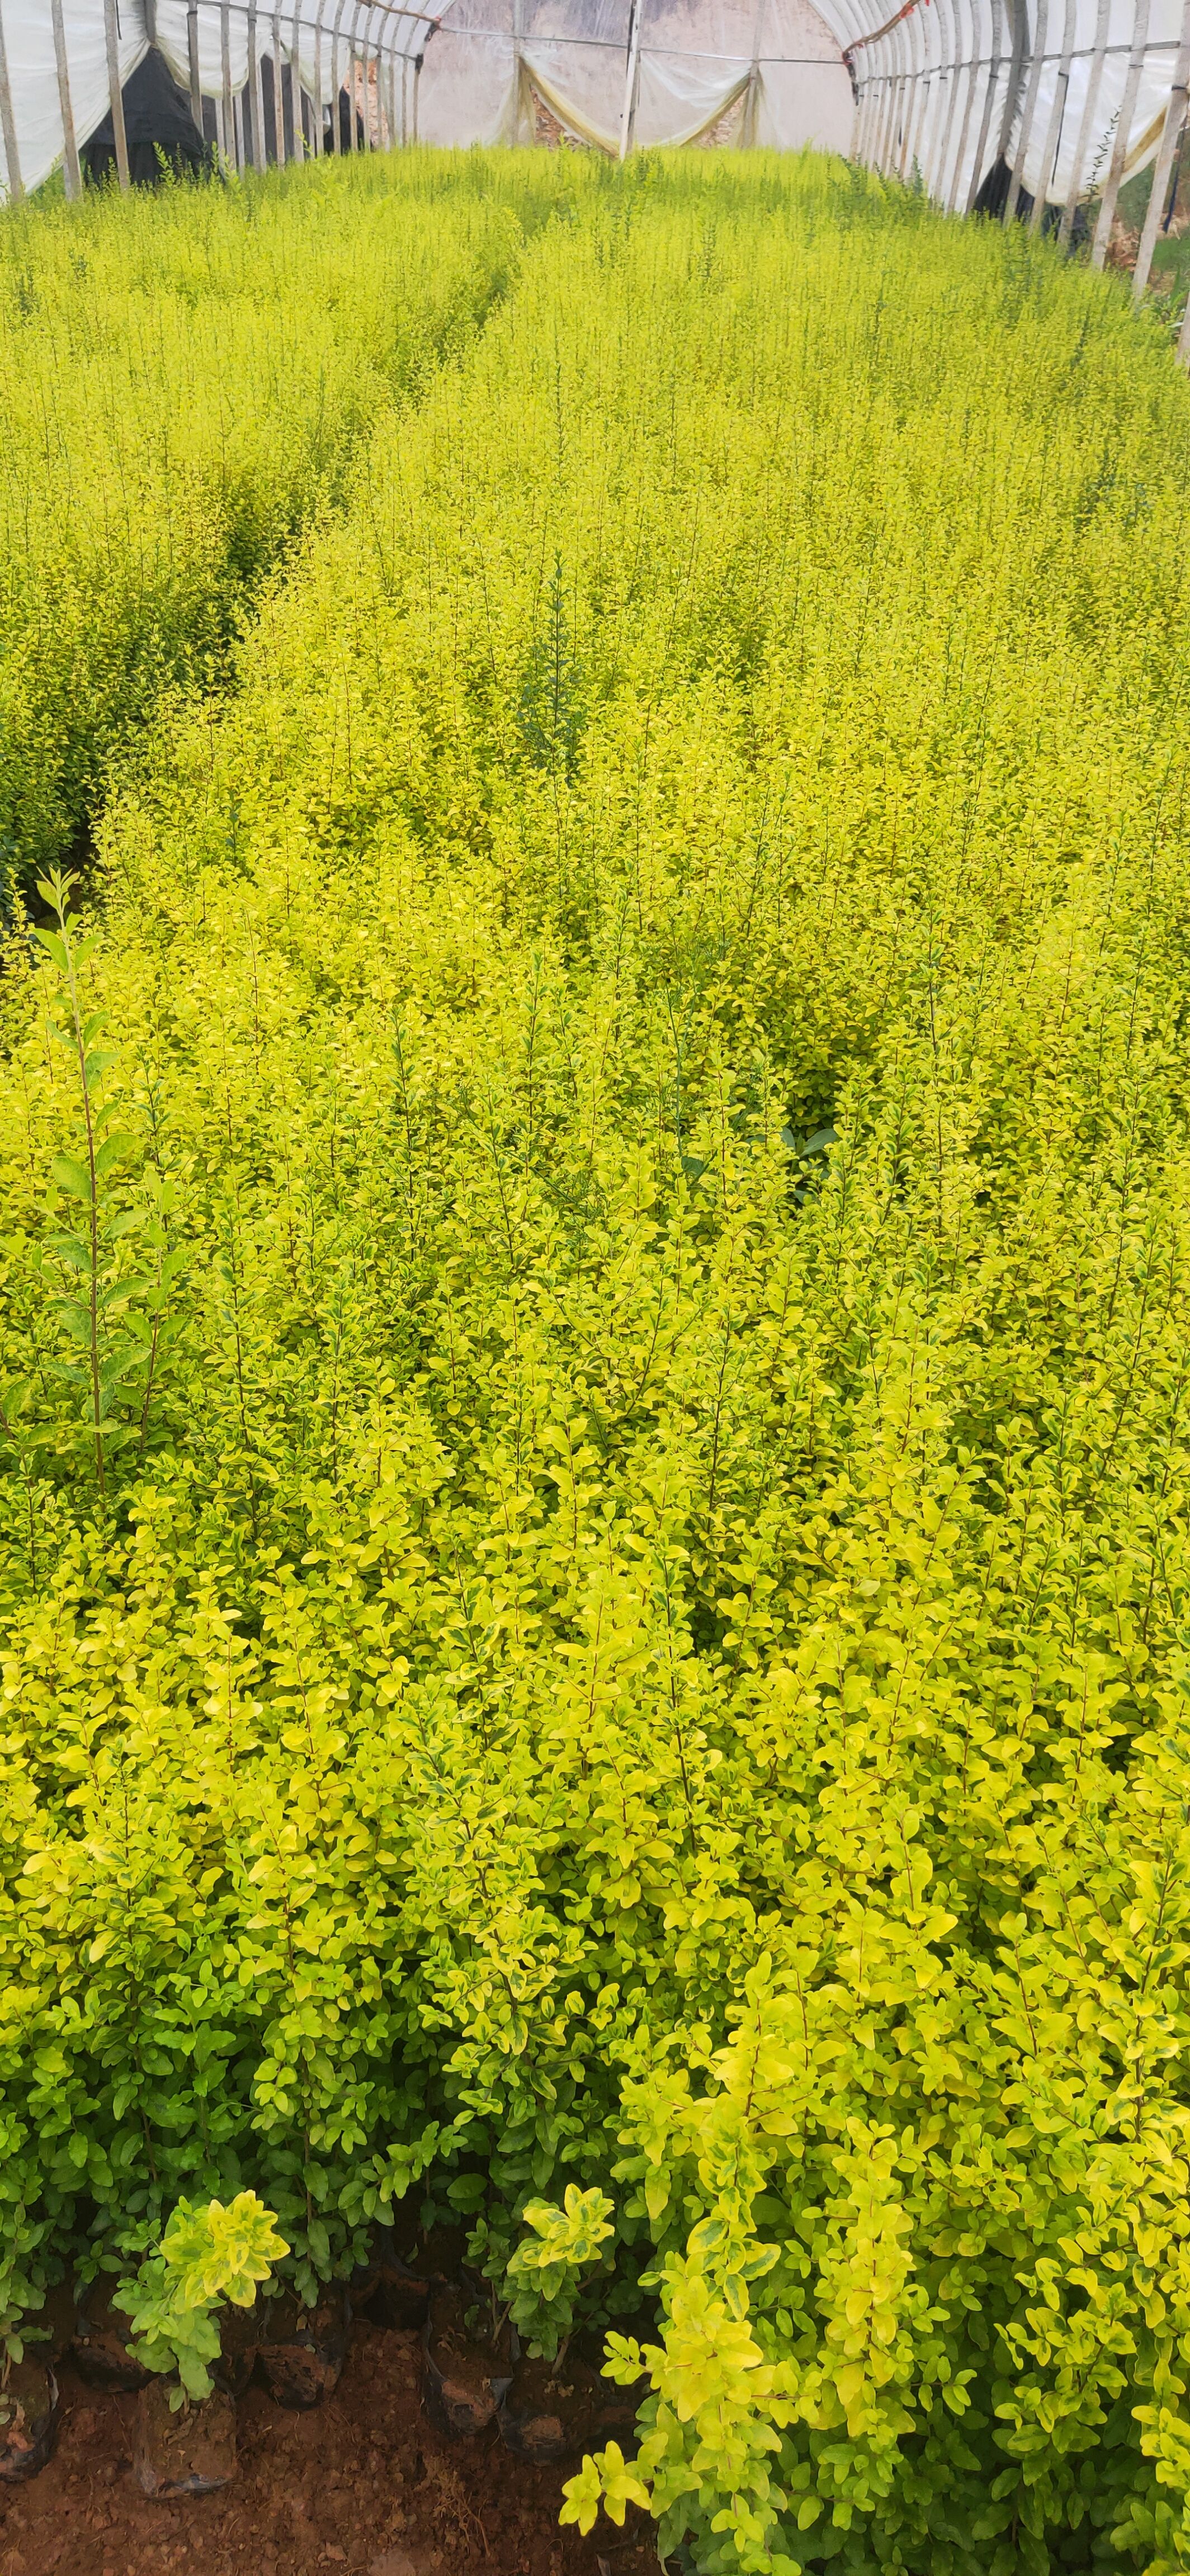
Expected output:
(635, 1680)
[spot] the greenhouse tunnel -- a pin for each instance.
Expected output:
(1014, 106)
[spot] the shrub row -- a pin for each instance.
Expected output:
(187, 375)
(594, 1569)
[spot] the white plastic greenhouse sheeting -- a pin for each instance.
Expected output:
(316, 37)
(954, 83)
(943, 87)
(772, 73)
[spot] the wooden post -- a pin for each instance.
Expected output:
(353, 57)
(632, 66)
(295, 83)
(71, 173)
(1175, 118)
(316, 120)
(112, 34)
(260, 149)
(336, 133)
(278, 94)
(192, 56)
(8, 123)
(1087, 119)
(230, 153)
(1029, 112)
(1053, 131)
(1107, 208)
(349, 84)
(366, 84)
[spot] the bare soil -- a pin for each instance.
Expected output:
(361, 2484)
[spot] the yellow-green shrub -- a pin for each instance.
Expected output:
(637, 1635)
(186, 375)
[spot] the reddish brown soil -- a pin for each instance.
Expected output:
(361, 2484)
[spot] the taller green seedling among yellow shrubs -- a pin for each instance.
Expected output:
(110, 1315)
(209, 2255)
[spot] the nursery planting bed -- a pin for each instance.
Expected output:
(362, 2482)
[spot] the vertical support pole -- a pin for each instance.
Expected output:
(900, 124)
(358, 69)
(256, 92)
(1175, 118)
(1028, 117)
(989, 100)
(316, 128)
(8, 123)
(1107, 209)
(931, 127)
(192, 60)
(1053, 131)
(295, 83)
(969, 68)
(349, 145)
(748, 121)
(1018, 15)
(1087, 119)
(371, 65)
(417, 63)
(230, 152)
(940, 159)
(336, 135)
(518, 29)
(1184, 337)
(112, 34)
(71, 172)
(917, 79)
(882, 130)
(891, 130)
(278, 94)
(632, 67)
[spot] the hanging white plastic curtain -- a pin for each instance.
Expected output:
(627, 73)
(1069, 96)
(58, 57)
(1063, 91)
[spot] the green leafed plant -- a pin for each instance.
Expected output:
(210, 2255)
(545, 2272)
(108, 1312)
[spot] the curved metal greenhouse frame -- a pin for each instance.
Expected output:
(1036, 103)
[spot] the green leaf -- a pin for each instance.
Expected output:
(72, 1177)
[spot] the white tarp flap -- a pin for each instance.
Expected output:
(33, 77)
(468, 87)
(170, 20)
(771, 73)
